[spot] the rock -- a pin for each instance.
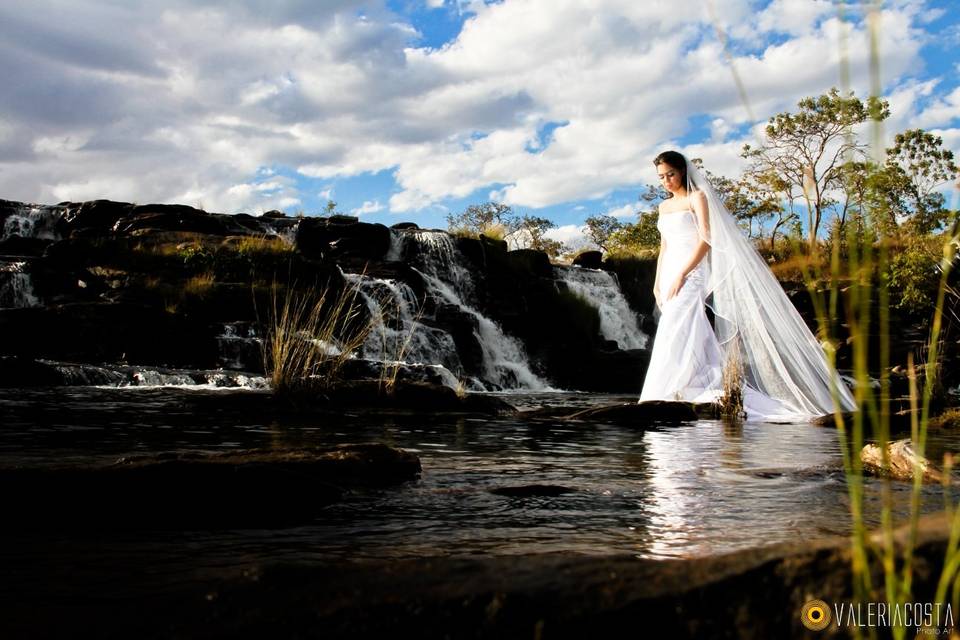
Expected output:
(750, 594)
(255, 488)
(107, 332)
(472, 249)
(342, 237)
(410, 226)
(22, 372)
(18, 246)
(95, 215)
(589, 259)
(901, 459)
(274, 213)
(531, 262)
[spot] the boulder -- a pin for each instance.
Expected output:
(253, 488)
(405, 226)
(589, 259)
(107, 332)
(531, 262)
(342, 237)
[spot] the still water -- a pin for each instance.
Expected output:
(671, 491)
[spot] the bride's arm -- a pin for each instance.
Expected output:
(698, 202)
(656, 280)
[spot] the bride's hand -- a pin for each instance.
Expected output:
(675, 289)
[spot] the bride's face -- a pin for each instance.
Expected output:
(671, 178)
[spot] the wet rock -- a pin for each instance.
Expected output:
(95, 215)
(21, 372)
(413, 226)
(900, 464)
(254, 488)
(589, 259)
(106, 332)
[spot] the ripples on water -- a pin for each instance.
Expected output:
(674, 491)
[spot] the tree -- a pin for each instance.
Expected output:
(600, 228)
(483, 218)
(531, 232)
(807, 149)
(925, 165)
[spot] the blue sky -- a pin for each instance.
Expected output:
(409, 109)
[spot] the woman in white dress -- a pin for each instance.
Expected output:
(705, 259)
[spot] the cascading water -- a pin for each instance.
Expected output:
(448, 279)
(398, 334)
(33, 222)
(239, 346)
(600, 288)
(16, 287)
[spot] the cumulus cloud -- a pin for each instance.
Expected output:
(369, 206)
(186, 100)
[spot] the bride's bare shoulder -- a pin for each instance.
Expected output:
(697, 197)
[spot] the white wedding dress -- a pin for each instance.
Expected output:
(687, 360)
(785, 370)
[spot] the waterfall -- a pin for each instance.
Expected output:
(395, 253)
(33, 222)
(398, 335)
(449, 279)
(240, 346)
(601, 289)
(16, 287)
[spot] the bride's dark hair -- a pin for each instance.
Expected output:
(676, 160)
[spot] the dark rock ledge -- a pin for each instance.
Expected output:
(251, 488)
(755, 594)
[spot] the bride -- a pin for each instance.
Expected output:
(704, 259)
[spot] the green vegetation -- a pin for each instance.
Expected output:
(498, 221)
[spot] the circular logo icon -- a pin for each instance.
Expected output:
(815, 615)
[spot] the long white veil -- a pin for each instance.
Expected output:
(781, 358)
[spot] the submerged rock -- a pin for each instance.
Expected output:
(252, 488)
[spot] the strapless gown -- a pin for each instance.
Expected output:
(687, 360)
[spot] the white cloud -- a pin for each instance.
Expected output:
(369, 206)
(139, 90)
(572, 235)
(626, 212)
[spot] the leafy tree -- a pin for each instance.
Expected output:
(631, 238)
(482, 218)
(807, 149)
(924, 165)
(531, 234)
(600, 228)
